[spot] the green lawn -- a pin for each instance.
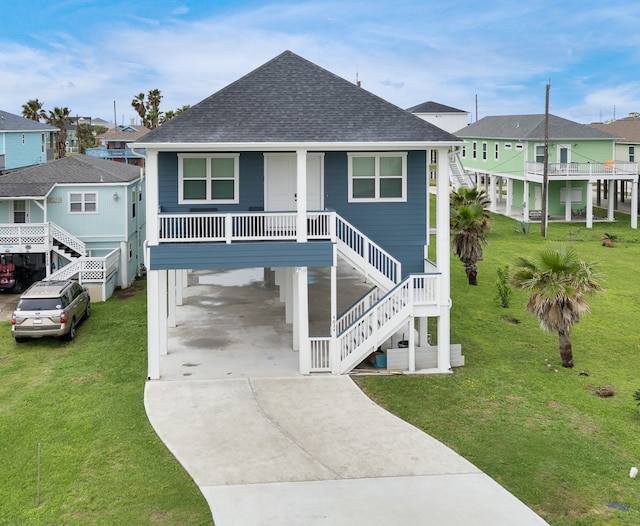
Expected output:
(538, 429)
(82, 402)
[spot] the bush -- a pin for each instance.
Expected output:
(504, 291)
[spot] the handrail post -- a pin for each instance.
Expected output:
(228, 228)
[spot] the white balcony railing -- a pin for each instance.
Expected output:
(605, 169)
(279, 226)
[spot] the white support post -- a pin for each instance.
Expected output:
(423, 331)
(171, 298)
(162, 327)
(611, 199)
(493, 207)
(156, 321)
(509, 197)
(303, 319)
(289, 294)
(443, 260)
(301, 193)
(181, 281)
(589, 207)
(567, 203)
(292, 308)
(634, 204)
(525, 202)
(412, 345)
(335, 357)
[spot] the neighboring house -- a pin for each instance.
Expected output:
(76, 217)
(23, 142)
(628, 132)
(116, 145)
(290, 167)
(509, 151)
(445, 117)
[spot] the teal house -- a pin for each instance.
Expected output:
(23, 142)
(76, 218)
(507, 153)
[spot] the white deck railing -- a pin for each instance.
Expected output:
(357, 309)
(608, 168)
(89, 269)
(280, 226)
(374, 326)
(38, 237)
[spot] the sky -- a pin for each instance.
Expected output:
(490, 57)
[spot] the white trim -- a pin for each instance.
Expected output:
(293, 146)
(208, 157)
(376, 156)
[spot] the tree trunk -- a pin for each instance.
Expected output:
(566, 352)
(472, 273)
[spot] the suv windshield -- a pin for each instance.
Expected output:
(39, 304)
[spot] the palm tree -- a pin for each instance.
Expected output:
(33, 110)
(467, 196)
(559, 282)
(139, 104)
(86, 137)
(153, 108)
(59, 118)
(469, 224)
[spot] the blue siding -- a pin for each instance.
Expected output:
(241, 255)
(18, 155)
(399, 228)
(251, 184)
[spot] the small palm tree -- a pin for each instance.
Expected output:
(469, 224)
(559, 282)
(139, 104)
(469, 220)
(59, 118)
(33, 110)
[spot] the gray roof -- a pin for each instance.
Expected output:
(434, 107)
(14, 123)
(530, 127)
(292, 100)
(38, 180)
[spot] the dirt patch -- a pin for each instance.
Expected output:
(511, 319)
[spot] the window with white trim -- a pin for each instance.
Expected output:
(377, 177)
(632, 154)
(43, 144)
(209, 178)
(464, 151)
(519, 146)
(474, 150)
(497, 151)
(484, 151)
(507, 145)
(539, 153)
(83, 202)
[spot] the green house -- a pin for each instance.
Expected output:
(508, 151)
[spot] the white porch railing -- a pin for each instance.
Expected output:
(38, 237)
(606, 169)
(281, 226)
(374, 326)
(89, 269)
(357, 309)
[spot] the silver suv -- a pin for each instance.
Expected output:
(50, 308)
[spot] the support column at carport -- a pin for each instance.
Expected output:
(634, 204)
(301, 287)
(171, 298)
(156, 320)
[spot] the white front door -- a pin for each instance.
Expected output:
(280, 182)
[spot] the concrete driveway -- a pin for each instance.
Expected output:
(268, 446)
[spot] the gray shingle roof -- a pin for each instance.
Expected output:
(37, 181)
(292, 100)
(433, 107)
(14, 123)
(529, 127)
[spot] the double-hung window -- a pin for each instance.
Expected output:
(83, 202)
(377, 177)
(209, 178)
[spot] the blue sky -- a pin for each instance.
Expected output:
(87, 54)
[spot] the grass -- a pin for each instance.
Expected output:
(82, 403)
(539, 429)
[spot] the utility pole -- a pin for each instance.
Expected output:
(545, 168)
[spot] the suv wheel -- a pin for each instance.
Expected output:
(72, 331)
(87, 312)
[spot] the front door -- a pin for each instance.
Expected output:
(280, 182)
(563, 154)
